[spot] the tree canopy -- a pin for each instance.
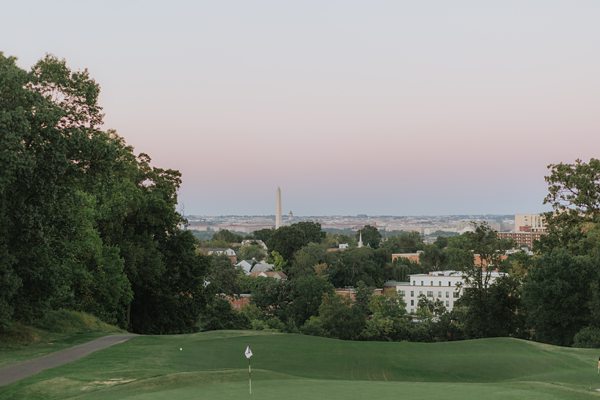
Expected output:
(86, 224)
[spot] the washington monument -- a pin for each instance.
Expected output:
(278, 208)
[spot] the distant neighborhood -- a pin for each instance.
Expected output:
(444, 287)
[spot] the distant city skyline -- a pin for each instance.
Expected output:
(378, 108)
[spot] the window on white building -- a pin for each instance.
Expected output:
(455, 295)
(412, 293)
(430, 293)
(439, 294)
(447, 294)
(401, 293)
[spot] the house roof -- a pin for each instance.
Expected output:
(270, 274)
(245, 265)
(262, 267)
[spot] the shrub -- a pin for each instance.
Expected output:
(313, 326)
(588, 337)
(220, 315)
(259, 325)
(66, 321)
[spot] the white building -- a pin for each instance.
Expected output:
(248, 242)
(446, 286)
(251, 266)
(221, 252)
(530, 223)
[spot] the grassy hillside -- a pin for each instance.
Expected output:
(212, 366)
(57, 330)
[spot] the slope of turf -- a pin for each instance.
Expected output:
(57, 330)
(212, 366)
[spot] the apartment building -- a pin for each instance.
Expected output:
(446, 286)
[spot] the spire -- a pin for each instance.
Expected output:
(360, 242)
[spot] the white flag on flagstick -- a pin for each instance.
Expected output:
(248, 352)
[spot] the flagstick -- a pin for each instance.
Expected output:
(249, 377)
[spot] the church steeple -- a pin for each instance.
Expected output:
(360, 242)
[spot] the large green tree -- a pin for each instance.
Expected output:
(304, 297)
(556, 293)
(480, 292)
(50, 148)
(86, 224)
(289, 239)
(568, 256)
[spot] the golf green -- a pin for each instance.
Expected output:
(212, 366)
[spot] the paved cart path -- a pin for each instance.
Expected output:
(14, 372)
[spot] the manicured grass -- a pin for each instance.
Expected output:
(212, 366)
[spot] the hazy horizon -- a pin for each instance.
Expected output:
(378, 108)
(350, 215)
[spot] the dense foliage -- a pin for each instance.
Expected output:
(85, 223)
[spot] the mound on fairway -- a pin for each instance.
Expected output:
(212, 366)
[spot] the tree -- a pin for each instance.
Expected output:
(173, 301)
(497, 313)
(307, 258)
(227, 236)
(268, 295)
(430, 308)
(556, 292)
(220, 315)
(574, 194)
(349, 267)
(567, 256)
(478, 293)
(433, 258)
(484, 242)
(574, 189)
(263, 234)
(279, 263)
(370, 236)
(289, 239)
(252, 251)
(406, 242)
(53, 256)
(222, 277)
(388, 318)
(305, 296)
(311, 231)
(85, 223)
(338, 319)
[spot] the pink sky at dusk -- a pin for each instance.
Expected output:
(378, 107)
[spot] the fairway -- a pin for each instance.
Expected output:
(212, 366)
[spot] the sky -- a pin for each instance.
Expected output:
(351, 107)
